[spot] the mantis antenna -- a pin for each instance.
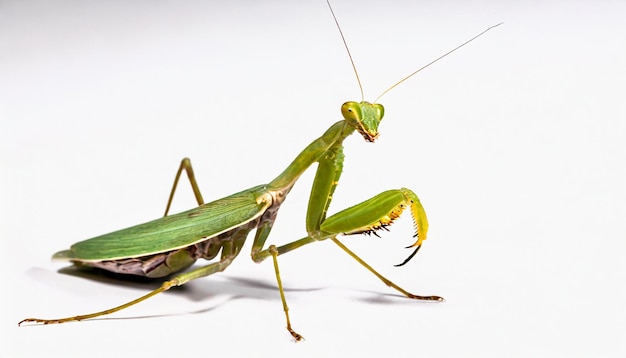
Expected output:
(345, 44)
(356, 73)
(437, 59)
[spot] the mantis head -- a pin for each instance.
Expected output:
(364, 117)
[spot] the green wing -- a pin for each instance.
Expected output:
(174, 231)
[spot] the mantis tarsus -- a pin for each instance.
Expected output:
(173, 243)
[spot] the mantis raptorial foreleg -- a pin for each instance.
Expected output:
(366, 217)
(343, 219)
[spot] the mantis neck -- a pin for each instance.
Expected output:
(334, 136)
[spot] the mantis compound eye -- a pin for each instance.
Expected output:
(351, 112)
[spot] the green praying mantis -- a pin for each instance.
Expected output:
(165, 246)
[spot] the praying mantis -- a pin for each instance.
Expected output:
(171, 244)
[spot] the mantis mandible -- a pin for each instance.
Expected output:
(165, 246)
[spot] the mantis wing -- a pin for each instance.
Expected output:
(175, 231)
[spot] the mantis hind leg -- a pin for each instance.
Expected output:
(176, 281)
(185, 164)
(229, 251)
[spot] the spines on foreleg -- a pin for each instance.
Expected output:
(378, 213)
(420, 222)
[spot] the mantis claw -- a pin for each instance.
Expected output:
(410, 256)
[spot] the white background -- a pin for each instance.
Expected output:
(515, 145)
